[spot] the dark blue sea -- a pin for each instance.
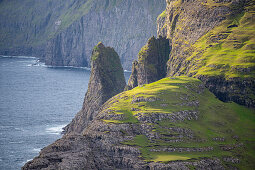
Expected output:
(36, 102)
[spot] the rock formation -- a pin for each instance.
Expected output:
(106, 80)
(151, 65)
(174, 123)
(203, 36)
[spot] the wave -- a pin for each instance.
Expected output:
(127, 71)
(41, 64)
(24, 57)
(36, 150)
(19, 129)
(85, 68)
(24, 162)
(13, 142)
(37, 64)
(55, 130)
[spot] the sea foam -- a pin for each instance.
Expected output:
(56, 130)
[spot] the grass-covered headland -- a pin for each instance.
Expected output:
(187, 122)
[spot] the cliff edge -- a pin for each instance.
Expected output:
(174, 123)
(213, 41)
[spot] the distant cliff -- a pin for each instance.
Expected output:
(124, 25)
(106, 80)
(26, 26)
(64, 32)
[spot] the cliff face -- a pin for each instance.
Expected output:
(174, 123)
(151, 65)
(106, 80)
(212, 41)
(26, 26)
(124, 25)
(63, 32)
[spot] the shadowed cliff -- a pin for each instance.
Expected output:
(106, 80)
(151, 65)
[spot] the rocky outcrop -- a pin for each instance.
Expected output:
(151, 65)
(236, 89)
(106, 80)
(198, 30)
(153, 137)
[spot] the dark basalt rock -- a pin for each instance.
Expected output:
(106, 80)
(151, 65)
(235, 89)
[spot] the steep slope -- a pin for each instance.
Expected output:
(26, 25)
(213, 41)
(63, 32)
(172, 123)
(124, 25)
(106, 80)
(151, 65)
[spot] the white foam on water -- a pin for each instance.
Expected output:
(19, 129)
(24, 162)
(16, 142)
(55, 130)
(85, 68)
(36, 150)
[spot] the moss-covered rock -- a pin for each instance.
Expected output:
(213, 41)
(106, 80)
(151, 65)
(174, 123)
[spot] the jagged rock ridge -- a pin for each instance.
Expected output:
(106, 80)
(151, 65)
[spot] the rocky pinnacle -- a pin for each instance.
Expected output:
(106, 80)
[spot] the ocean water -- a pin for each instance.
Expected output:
(36, 102)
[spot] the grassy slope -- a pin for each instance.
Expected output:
(216, 119)
(228, 50)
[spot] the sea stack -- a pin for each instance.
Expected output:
(106, 80)
(151, 65)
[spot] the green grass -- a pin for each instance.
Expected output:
(162, 15)
(216, 119)
(231, 54)
(165, 158)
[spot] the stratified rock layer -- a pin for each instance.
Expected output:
(151, 65)
(174, 123)
(213, 41)
(106, 80)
